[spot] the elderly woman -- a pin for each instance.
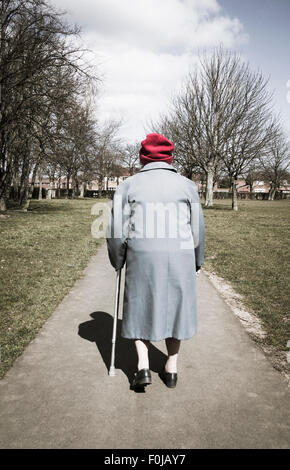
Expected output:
(157, 228)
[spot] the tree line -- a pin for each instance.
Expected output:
(221, 122)
(48, 124)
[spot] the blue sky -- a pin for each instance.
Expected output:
(145, 48)
(267, 23)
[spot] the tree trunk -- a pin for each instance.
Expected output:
(15, 182)
(67, 185)
(3, 207)
(24, 195)
(40, 184)
(272, 193)
(48, 194)
(58, 191)
(234, 194)
(209, 188)
(25, 190)
(5, 183)
(25, 203)
(49, 191)
(100, 186)
(74, 186)
(83, 189)
(5, 191)
(251, 191)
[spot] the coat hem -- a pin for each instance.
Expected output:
(160, 339)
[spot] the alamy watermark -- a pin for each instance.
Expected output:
(177, 220)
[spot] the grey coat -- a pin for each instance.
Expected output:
(157, 227)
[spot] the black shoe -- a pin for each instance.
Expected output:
(142, 378)
(169, 378)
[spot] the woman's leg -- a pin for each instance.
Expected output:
(142, 351)
(173, 346)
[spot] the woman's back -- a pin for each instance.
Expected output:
(160, 204)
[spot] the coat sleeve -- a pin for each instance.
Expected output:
(197, 226)
(118, 227)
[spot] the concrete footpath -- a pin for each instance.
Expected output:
(58, 393)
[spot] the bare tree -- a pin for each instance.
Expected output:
(253, 173)
(275, 167)
(177, 129)
(107, 151)
(221, 119)
(129, 157)
(34, 45)
(76, 144)
(253, 127)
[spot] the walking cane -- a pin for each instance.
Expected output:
(117, 298)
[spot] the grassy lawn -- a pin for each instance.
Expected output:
(251, 249)
(42, 253)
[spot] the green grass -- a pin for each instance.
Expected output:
(42, 253)
(250, 249)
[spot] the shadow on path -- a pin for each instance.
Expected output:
(99, 330)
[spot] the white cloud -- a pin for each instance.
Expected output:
(145, 48)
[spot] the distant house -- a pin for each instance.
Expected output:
(110, 183)
(242, 187)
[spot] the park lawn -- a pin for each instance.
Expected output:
(250, 249)
(42, 253)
